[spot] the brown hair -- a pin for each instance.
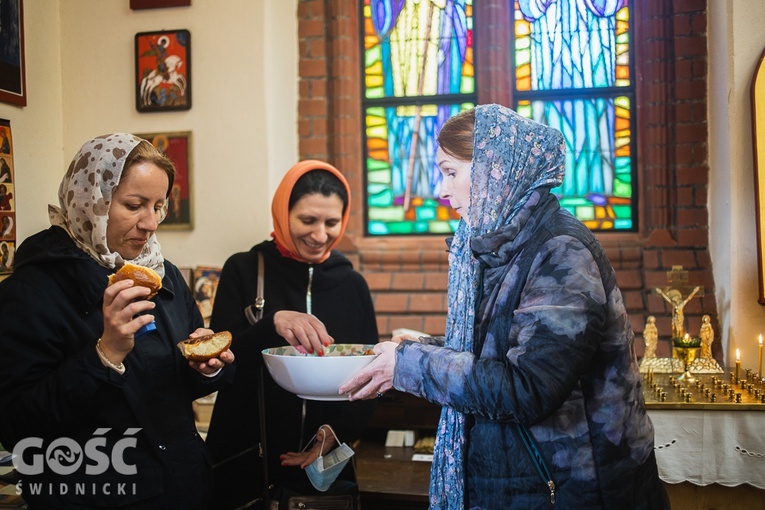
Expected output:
(456, 135)
(145, 152)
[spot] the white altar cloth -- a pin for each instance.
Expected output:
(710, 446)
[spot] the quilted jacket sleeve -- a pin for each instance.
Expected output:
(533, 356)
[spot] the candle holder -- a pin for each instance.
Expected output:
(686, 349)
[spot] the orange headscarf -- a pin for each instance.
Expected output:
(280, 212)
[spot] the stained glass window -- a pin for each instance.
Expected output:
(572, 61)
(418, 72)
(573, 70)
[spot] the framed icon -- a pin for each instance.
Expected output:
(163, 71)
(7, 252)
(7, 199)
(758, 145)
(177, 147)
(13, 87)
(205, 286)
(157, 4)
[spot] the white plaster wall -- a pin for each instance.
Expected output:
(80, 70)
(37, 129)
(736, 41)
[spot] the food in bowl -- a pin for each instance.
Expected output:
(316, 377)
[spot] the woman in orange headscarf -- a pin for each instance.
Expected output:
(313, 297)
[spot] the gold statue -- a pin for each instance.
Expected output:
(673, 294)
(705, 363)
(707, 336)
(651, 337)
(675, 298)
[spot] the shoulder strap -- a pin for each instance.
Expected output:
(262, 417)
(254, 312)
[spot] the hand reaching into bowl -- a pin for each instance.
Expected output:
(302, 329)
(376, 378)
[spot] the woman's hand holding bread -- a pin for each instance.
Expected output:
(124, 307)
(207, 351)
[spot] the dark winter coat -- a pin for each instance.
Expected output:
(341, 300)
(554, 352)
(53, 385)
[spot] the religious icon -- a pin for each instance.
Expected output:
(163, 70)
(674, 296)
(177, 147)
(205, 286)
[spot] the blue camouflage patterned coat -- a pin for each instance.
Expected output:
(553, 349)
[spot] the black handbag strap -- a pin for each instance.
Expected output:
(259, 303)
(262, 417)
(254, 312)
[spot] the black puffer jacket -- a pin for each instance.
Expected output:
(53, 385)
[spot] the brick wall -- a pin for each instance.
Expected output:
(408, 276)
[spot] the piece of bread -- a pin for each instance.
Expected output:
(205, 347)
(142, 276)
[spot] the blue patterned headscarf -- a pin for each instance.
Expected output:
(512, 156)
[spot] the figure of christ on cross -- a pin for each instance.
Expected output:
(673, 294)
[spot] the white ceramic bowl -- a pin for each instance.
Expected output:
(316, 377)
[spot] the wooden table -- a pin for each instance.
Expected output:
(388, 478)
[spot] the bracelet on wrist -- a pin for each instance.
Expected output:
(118, 367)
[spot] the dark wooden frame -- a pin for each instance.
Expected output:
(16, 72)
(157, 4)
(156, 70)
(758, 147)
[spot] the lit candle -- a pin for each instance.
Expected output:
(738, 364)
(759, 360)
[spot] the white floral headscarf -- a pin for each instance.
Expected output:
(85, 195)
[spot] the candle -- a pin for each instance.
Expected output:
(759, 360)
(738, 364)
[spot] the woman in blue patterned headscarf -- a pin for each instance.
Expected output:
(537, 374)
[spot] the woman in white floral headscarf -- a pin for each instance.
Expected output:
(89, 364)
(537, 373)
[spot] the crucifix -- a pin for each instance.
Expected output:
(673, 294)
